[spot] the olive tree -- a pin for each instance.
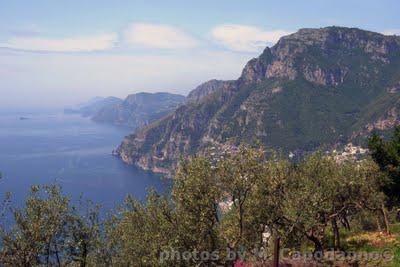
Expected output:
(322, 192)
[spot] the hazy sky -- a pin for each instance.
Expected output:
(57, 53)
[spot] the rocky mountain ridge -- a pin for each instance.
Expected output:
(314, 88)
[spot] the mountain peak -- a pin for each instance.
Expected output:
(307, 52)
(323, 34)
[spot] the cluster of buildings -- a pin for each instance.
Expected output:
(350, 151)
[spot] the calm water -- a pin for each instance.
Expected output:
(71, 151)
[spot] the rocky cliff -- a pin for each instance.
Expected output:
(314, 88)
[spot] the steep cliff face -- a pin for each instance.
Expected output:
(139, 109)
(314, 87)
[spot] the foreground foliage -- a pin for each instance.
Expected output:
(215, 214)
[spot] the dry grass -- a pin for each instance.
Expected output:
(373, 239)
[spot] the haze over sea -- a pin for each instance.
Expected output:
(51, 147)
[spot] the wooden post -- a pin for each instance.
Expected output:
(276, 252)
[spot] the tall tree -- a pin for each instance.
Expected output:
(321, 192)
(239, 173)
(140, 232)
(196, 195)
(387, 155)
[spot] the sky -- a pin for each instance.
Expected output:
(60, 53)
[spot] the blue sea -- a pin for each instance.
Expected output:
(71, 151)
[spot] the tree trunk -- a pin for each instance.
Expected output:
(48, 255)
(336, 235)
(318, 247)
(240, 219)
(84, 255)
(57, 256)
(378, 223)
(385, 218)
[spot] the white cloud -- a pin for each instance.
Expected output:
(158, 36)
(245, 38)
(391, 32)
(77, 44)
